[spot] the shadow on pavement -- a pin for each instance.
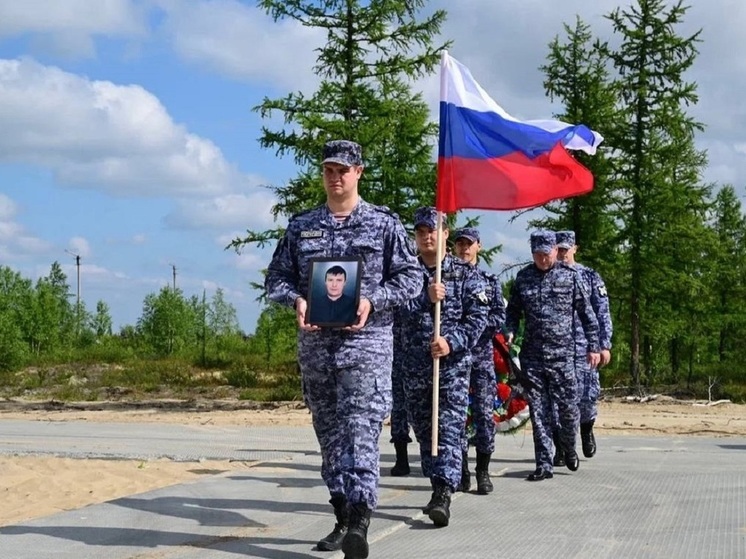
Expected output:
(93, 536)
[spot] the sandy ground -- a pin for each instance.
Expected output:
(35, 486)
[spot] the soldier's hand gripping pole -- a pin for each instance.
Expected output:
(436, 335)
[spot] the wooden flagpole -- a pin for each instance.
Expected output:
(436, 335)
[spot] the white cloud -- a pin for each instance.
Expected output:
(79, 246)
(230, 211)
(727, 161)
(8, 207)
(94, 274)
(212, 286)
(9, 229)
(14, 240)
(104, 136)
(28, 244)
(68, 28)
(243, 43)
(224, 240)
(250, 262)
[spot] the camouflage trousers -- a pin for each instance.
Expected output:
(588, 391)
(347, 387)
(482, 386)
(550, 384)
(452, 403)
(399, 423)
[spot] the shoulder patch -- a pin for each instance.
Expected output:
(304, 212)
(453, 274)
(483, 298)
(602, 291)
(384, 210)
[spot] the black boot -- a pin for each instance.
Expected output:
(355, 543)
(428, 507)
(440, 513)
(559, 455)
(465, 484)
(484, 483)
(333, 541)
(401, 467)
(571, 460)
(539, 475)
(587, 439)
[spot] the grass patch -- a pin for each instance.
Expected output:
(137, 379)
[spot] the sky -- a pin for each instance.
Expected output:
(128, 136)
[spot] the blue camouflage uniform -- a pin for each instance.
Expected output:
(548, 301)
(589, 385)
(399, 423)
(464, 315)
(483, 380)
(346, 376)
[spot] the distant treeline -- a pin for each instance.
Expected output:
(41, 322)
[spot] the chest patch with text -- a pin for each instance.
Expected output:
(311, 234)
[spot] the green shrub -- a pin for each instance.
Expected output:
(242, 377)
(106, 350)
(736, 393)
(285, 393)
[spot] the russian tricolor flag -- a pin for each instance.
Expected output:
(489, 160)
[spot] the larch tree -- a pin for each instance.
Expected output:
(373, 52)
(661, 201)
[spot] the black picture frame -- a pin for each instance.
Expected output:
(341, 311)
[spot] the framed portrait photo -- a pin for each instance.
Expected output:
(333, 291)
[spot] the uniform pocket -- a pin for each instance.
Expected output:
(368, 249)
(312, 247)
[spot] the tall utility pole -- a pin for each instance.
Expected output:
(77, 265)
(77, 298)
(173, 267)
(204, 327)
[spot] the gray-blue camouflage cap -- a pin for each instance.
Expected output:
(565, 239)
(543, 241)
(426, 216)
(344, 152)
(471, 233)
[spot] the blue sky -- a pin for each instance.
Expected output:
(128, 136)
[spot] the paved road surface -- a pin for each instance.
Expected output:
(640, 497)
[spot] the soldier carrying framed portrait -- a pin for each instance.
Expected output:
(333, 291)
